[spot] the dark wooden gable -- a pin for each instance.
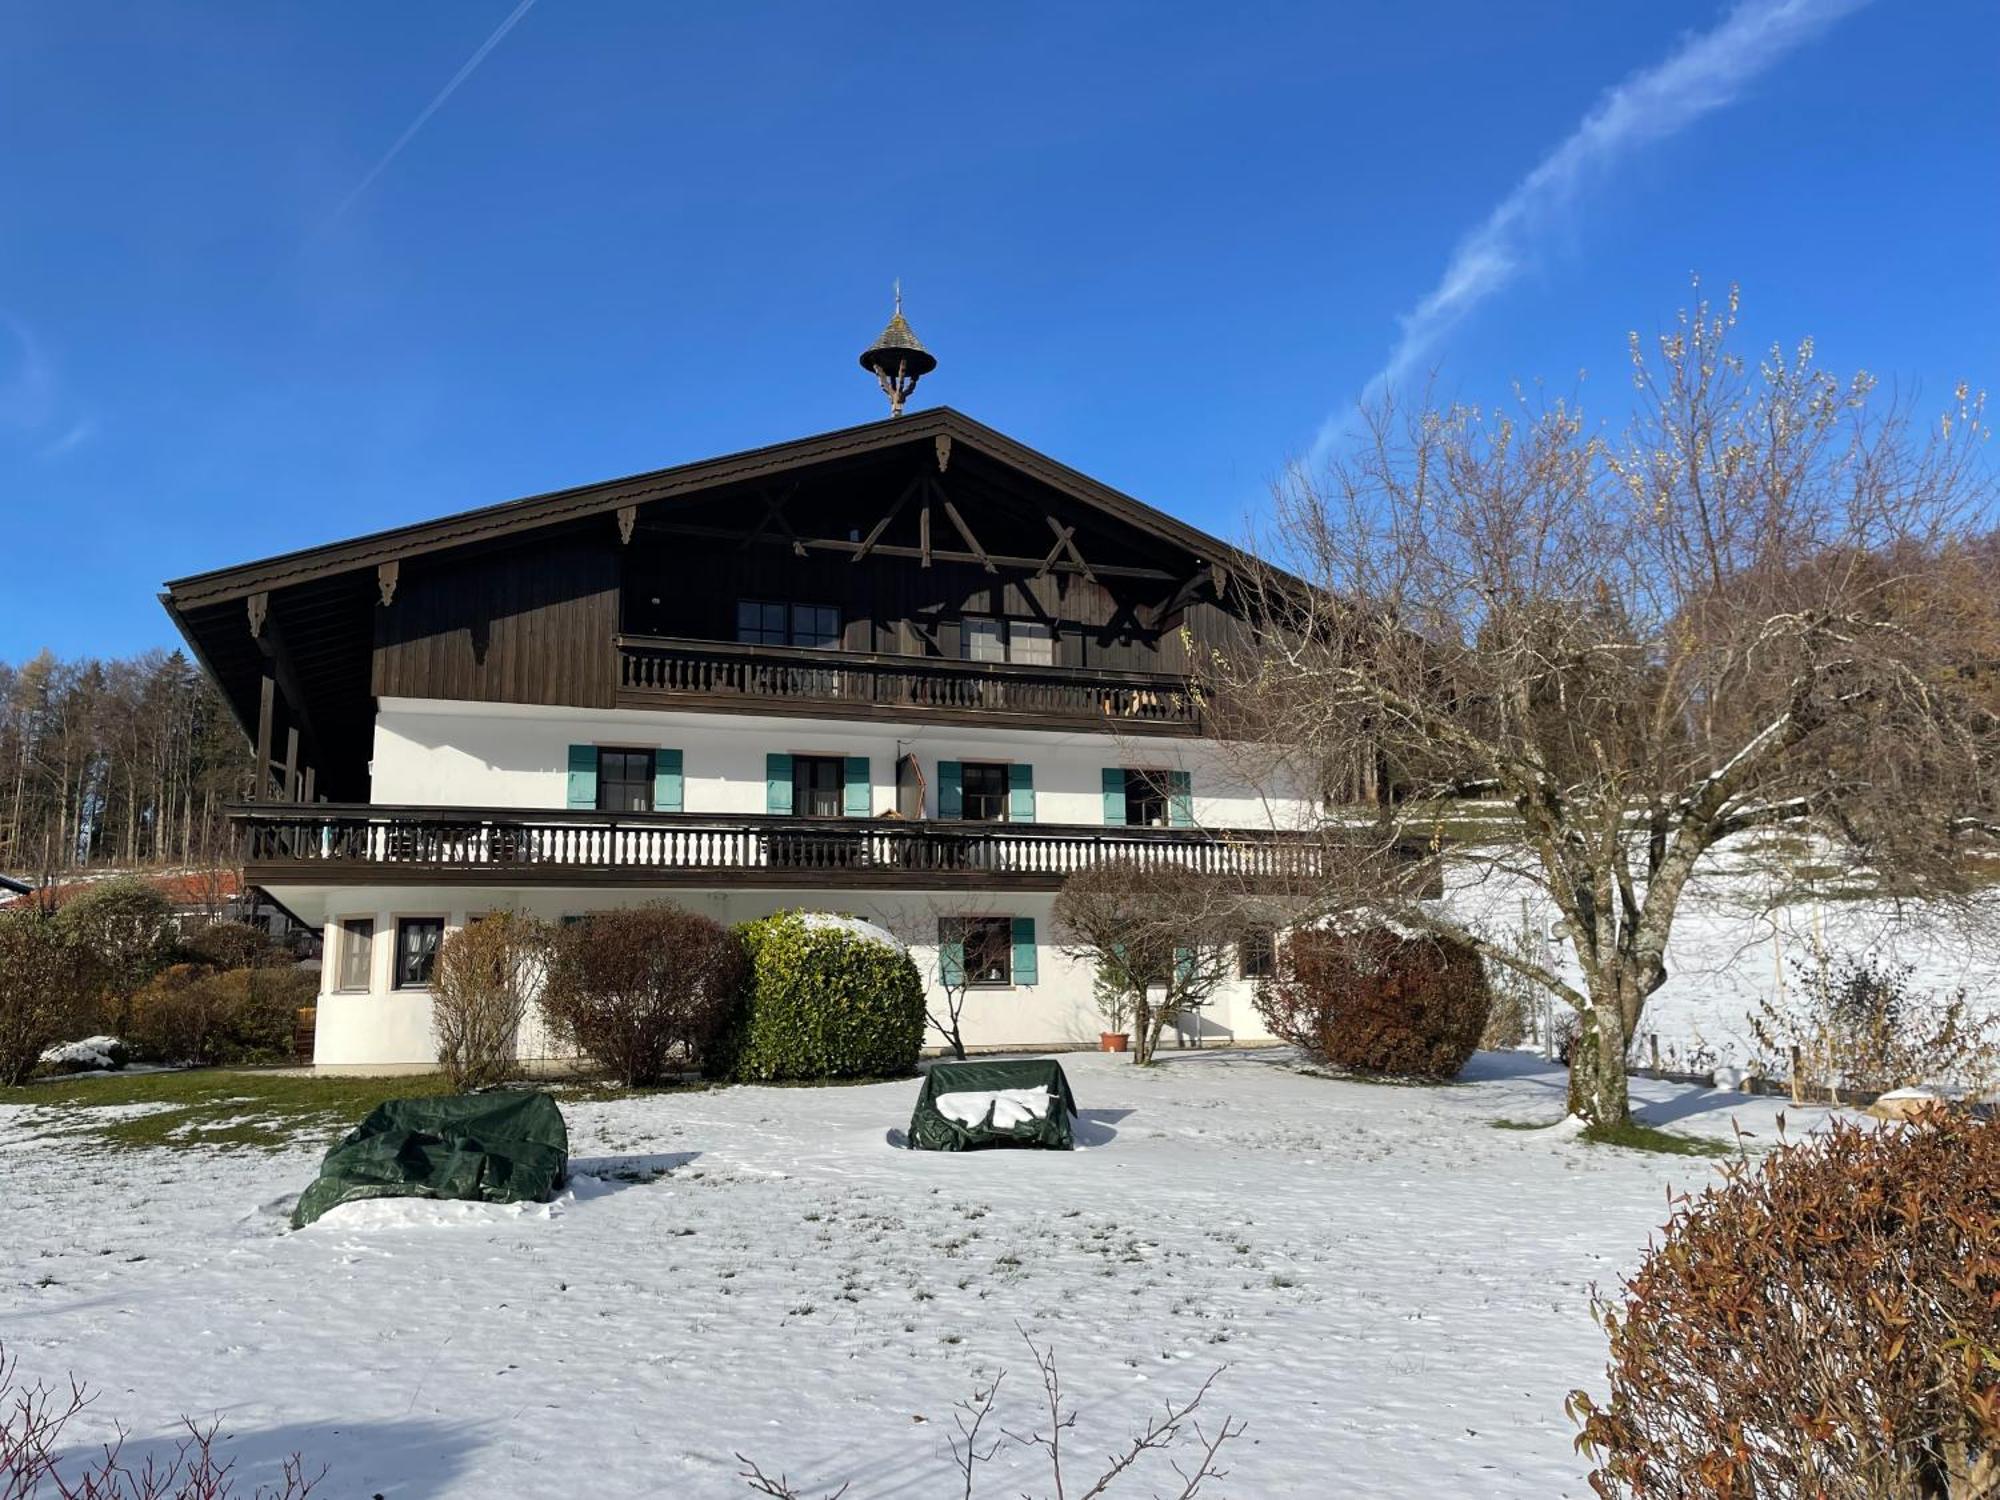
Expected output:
(904, 527)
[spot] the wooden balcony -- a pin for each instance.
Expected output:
(362, 844)
(656, 672)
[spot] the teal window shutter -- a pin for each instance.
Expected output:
(667, 796)
(1024, 950)
(1180, 799)
(857, 792)
(1114, 794)
(777, 783)
(1183, 964)
(583, 775)
(951, 955)
(1020, 793)
(951, 789)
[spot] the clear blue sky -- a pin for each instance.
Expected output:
(1163, 243)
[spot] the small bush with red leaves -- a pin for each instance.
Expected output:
(1376, 1001)
(631, 988)
(1825, 1326)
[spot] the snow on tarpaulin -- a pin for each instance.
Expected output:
(506, 1147)
(970, 1106)
(1004, 1108)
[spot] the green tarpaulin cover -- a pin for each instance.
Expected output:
(494, 1148)
(1000, 1098)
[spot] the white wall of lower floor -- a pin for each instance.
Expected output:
(383, 1026)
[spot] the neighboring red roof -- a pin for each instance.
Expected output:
(180, 887)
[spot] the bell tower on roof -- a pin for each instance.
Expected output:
(898, 358)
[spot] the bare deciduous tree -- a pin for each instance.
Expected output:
(487, 975)
(1760, 609)
(1165, 931)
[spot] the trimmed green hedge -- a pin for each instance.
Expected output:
(826, 1003)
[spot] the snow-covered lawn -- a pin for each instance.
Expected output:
(1399, 1290)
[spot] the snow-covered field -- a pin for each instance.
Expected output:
(1732, 951)
(1398, 1289)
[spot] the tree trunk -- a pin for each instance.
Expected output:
(1597, 1086)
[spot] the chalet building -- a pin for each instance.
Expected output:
(913, 671)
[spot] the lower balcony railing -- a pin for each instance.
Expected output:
(366, 844)
(780, 679)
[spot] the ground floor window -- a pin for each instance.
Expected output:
(1256, 953)
(417, 940)
(352, 961)
(982, 946)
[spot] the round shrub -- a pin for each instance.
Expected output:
(628, 987)
(187, 1014)
(1820, 1328)
(827, 1001)
(1376, 1001)
(46, 978)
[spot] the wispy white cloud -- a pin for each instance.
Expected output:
(437, 103)
(27, 380)
(74, 436)
(1704, 73)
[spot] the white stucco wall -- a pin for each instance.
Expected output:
(387, 1027)
(430, 752)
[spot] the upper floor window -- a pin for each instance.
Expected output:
(1146, 795)
(763, 622)
(818, 786)
(1030, 642)
(983, 791)
(624, 781)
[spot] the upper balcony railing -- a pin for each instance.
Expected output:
(325, 844)
(656, 671)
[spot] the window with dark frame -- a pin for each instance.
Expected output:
(818, 786)
(759, 623)
(352, 965)
(987, 944)
(816, 625)
(770, 622)
(417, 940)
(1256, 953)
(1146, 799)
(983, 791)
(624, 781)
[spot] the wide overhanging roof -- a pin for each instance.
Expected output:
(308, 615)
(494, 522)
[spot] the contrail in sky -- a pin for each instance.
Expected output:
(1704, 73)
(431, 108)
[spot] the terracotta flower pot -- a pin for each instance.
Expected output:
(1113, 1041)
